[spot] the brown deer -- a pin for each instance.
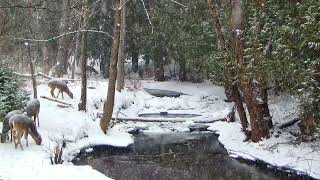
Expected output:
(61, 86)
(33, 109)
(6, 126)
(20, 125)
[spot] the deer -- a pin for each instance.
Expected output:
(61, 86)
(6, 126)
(33, 110)
(91, 70)
(20, 125)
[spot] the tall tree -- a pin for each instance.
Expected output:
(108, 105)
(82, 106)
(76, 52)
(121, 56)
(64, 41)
(231, 84)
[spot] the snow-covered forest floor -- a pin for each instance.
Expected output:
(81, 130)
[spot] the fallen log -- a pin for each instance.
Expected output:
(146, 120)
(50, 99)
(289, 123)
(63, 106)
(160, 120)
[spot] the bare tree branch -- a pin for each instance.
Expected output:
(124, 4)
(148, 16)
(37, 7)
(178, 3)
(61, 35)
(94, 4)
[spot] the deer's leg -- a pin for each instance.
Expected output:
(11, 131)
(13, 138)
(19, 136)
(62, 94)
(52, 93)
(26, 137)
(38, 119)
(11, 135)
(35, 120)
(58, 93)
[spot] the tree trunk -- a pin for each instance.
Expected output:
(33, 78)
(158, 70)
(83, 60)
(223, 45)
(251, 87)
(105, 63)
(121, 56)
(45, 63)
(76, 53)
(266, 112)
(147, 60)
(135, 59)
(231, 88)
(62, 68)
(108, 105)
(182, 71)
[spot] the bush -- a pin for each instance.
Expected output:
(11, 95)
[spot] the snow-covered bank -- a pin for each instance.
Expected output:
(281, 149)
(79, 129)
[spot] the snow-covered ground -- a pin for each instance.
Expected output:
(82, 130)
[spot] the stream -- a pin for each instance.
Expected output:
(176, 156)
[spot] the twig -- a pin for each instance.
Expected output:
(179, 3)
(124, 4)
(147, 15)
(50, 99)
(94, 4)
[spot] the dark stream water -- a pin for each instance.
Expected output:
(178, 156)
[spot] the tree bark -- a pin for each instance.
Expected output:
(158, 70)
(252, 89)
(63, 48)
(82, 106)
(108, 105)
(105, 63)
(33, 78)
(76, 53)
(147, 60)
(135, 59)
(182, 71)
(121, 56)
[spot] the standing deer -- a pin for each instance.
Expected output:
(61, 86)
(91, 70)
(33, 110)
(20, 125)
(6, 126)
